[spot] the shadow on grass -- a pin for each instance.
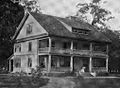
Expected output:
(96, 83)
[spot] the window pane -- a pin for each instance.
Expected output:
(99, 62)
(30, 46)
(17, 62)
(29, 62)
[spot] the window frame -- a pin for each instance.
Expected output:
(29, 46)
(29, 64)
(29, 29)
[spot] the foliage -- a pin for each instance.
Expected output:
(31, 5)
(99, 14)
(10, 16)
(32, 81)
(114, 49)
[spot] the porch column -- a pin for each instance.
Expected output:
(107, 64)
(50, 44)
(58, 62)
(90, 64)
(49, 63)
(71, 63)
(91, 47)
(71, 58)
(49, 57)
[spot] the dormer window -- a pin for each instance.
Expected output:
(80, 31)
(29, 29)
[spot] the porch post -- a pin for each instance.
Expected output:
(49, 63)
(71, 63)
(90, 64)
(58, 62)
(50, 42)
(91, 47)
(90, 61)
(71, 58)
(107, 64)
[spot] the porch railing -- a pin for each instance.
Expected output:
(74, 51)
(101, 69)
(81, 52)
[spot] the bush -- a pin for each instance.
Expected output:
(22, 79)
(102, 74)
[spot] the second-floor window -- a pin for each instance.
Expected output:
(66, 45)
(30, 46)
(17, 47)
(99, 47)
(43, 43)
(29, 29)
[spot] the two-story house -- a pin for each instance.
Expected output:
(58, 44)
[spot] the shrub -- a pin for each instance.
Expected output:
(22, 79)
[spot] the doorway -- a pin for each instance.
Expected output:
(11, 68)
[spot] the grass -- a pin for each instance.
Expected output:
(97, 83)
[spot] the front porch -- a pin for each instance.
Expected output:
(61, 63)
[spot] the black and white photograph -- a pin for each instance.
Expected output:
(59, 43)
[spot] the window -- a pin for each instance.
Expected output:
(29, 62)
(99, 62)
(65, 61)
(17, 62)
(42, 61)
(66, 45)
(99, 47)
(80, 31)
(30, 46)
(43, 43)
(29, 29)
(53, 43)
(17, 47)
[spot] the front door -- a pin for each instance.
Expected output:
(11, 69)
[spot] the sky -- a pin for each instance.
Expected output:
(63, 8)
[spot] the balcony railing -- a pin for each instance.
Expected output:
(61, 51)
(46, 49)
(81, 52)
(74, 51)
(99, 53)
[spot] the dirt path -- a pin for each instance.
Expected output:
(56, 82)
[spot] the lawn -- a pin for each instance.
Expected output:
(97, 82)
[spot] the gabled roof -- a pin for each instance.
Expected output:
(54, 27)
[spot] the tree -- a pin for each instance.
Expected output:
(10, 17)
(99, 14)
(99, 17)
(31, 5)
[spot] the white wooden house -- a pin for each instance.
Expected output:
(58, 44)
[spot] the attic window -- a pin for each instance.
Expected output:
(80, 31)
(29, 29)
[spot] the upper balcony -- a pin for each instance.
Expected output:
(69, 47)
